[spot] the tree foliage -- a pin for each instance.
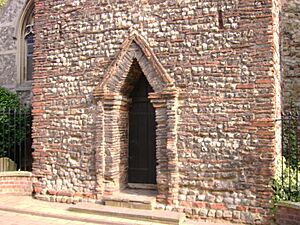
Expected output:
(2, 2)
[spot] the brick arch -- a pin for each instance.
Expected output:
(134, 47)
(113, 104)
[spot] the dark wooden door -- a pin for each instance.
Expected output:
(142, 157)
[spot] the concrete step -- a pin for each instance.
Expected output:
(132, 198)
(159, 216)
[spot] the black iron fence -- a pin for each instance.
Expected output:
(290, 161)
(15, 140)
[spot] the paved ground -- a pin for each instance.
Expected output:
(22, 210)
(9, 218)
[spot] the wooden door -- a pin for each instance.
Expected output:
(142, 157)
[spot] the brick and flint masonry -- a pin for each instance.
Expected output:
(214, 69)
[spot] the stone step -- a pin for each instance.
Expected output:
(132, 203)
(132, 198)
(159, 216)
(149, 205)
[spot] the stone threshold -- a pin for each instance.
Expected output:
(127, 213)
(142, 186)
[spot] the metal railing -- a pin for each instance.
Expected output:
(15, 140)
(290, 162)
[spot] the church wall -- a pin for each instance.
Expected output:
(8, 19)
(290, 41)
(9, 16)
(222, 57)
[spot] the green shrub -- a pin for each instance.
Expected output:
(11, 121)
(8, 99)
(285, 183)
(2, 2)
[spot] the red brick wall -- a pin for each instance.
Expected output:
(288, 214)
(18, 183)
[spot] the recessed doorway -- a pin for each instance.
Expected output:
(142, 147)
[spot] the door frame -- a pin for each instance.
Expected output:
(110, 115)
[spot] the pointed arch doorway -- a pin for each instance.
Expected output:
(142, 148)
(112, 96)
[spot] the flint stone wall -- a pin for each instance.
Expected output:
(290, 55)
(9, 16)
(223, 58)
